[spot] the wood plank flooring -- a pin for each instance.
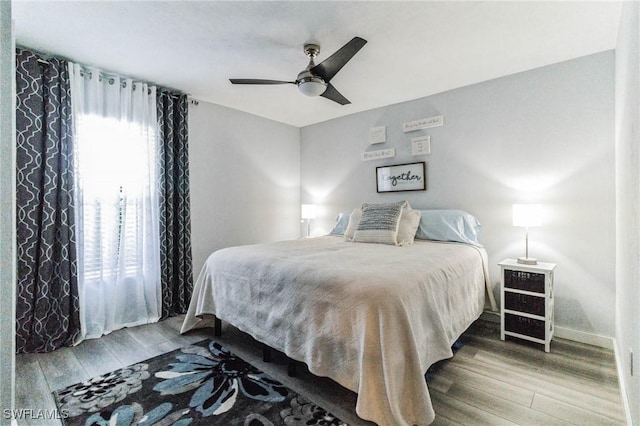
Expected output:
(487, 382)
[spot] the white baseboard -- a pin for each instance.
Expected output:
(584, 337)
(621, 383)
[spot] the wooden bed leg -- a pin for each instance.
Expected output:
(217, 327)
(291, 368)
(266, 353)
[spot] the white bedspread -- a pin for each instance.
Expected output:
(372, 317)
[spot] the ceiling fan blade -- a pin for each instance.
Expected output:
(334, 63)
(257, 81)
(332, 94)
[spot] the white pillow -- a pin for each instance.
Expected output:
(379, 223)
(354, 220)
(408, 227)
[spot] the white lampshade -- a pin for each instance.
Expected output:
(308, 211)
(312, 87)
(527, 215)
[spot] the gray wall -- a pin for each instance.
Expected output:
(245, 179)
(628, 202)
(544, 136)
(7, 212)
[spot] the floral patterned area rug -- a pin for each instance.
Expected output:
(201, 384)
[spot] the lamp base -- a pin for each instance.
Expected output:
(528, 260)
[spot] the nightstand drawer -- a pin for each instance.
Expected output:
(524, 303)
(526, 326)
(522, 280)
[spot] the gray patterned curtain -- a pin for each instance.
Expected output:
(175, 218)
(47, 308)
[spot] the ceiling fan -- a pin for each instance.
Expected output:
(314, 80)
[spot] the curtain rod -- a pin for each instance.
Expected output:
(161, 88)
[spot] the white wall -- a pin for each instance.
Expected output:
(628, 202)
(544, 136)
(7, 212)
(245, 179)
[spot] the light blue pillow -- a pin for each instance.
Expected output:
(449, 225)
(341, 224)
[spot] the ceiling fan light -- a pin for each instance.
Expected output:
(312, 87)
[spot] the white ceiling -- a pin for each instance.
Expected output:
(414, 49)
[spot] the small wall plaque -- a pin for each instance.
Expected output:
(423, 123)
(421, 145)
(378, 135)
(382, 153)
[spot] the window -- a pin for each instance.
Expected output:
(114, 169)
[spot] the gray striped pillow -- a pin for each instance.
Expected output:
(379, 223)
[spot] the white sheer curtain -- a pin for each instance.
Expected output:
(117, 209)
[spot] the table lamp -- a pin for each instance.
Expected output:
(308, 212)
(527, 216)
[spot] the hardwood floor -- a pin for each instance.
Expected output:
(487, 381)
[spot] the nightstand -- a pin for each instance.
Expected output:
(526, 292)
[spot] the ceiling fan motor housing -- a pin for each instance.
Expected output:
(308, 83)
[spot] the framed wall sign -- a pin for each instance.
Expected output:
(402, 177)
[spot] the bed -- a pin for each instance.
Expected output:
(373, 317)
